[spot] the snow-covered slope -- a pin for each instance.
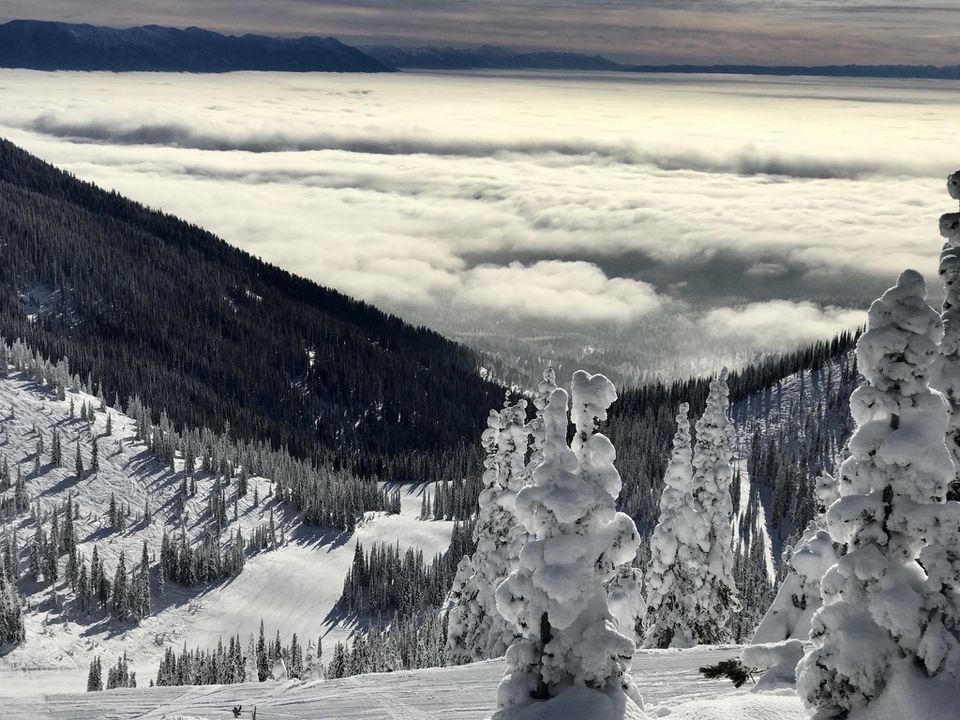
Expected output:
(293, 589)
(805, 415)
(668, 680)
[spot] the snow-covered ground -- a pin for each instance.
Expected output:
(293, 589)
(668, 680)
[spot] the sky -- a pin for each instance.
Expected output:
(646, 31)
(662, 224)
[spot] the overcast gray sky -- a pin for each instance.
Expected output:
(654, 31)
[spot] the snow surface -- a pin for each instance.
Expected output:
(294, 588)
(668, 680)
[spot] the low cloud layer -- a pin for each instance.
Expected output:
(745, 160)
(771, 325)
(673, 218)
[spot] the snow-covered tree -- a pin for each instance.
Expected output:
(536, 425)
(676, 558)
(799, 595)
(478, 630)
(626, 602)
(556, 598)
(945, 375)
(888, 600)
(714, 599)
(12, 627)
(461, 619)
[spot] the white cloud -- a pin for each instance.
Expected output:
(778, 323)
(572, 293)
(564, 201)
(766, 269)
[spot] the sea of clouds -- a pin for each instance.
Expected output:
(659, 224)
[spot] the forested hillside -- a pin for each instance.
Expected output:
(131, 540)
(789, 410)
(150, 305)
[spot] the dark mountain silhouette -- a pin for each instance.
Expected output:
(485, 57)
(498, 58)
(63, 46)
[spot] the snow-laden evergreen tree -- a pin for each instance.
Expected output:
(626, 602)
(888, 600)
(715, 598)
(12, 627)
(945, 375)
(557, 598)
(799, 595)
(676, 556)
(461, 619)
(536, 425)
(481, 631)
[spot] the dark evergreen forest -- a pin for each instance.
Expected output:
(149, 305)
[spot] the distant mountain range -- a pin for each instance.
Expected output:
(63, 46)
(496, 58)
(484, 57)
(933, 72)
(40, 45)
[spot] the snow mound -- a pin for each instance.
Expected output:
(778, 660)
(580, 703)
(911, 695)
(739, 707)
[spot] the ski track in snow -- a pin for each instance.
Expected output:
(668, 680)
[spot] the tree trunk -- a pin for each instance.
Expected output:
(542, 691)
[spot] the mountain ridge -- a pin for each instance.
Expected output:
(46, 45)
(488, 57)
(150, 304)
(41, 45)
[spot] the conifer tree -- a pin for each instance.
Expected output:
(945, 374)
(889, 602)
(56, 453)
(460, 603)
(95, 675)
(263, 668)
(714, 599)
(481, 631)
(676, 557)
(12, 623)
(557, 597)
(120, 606)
